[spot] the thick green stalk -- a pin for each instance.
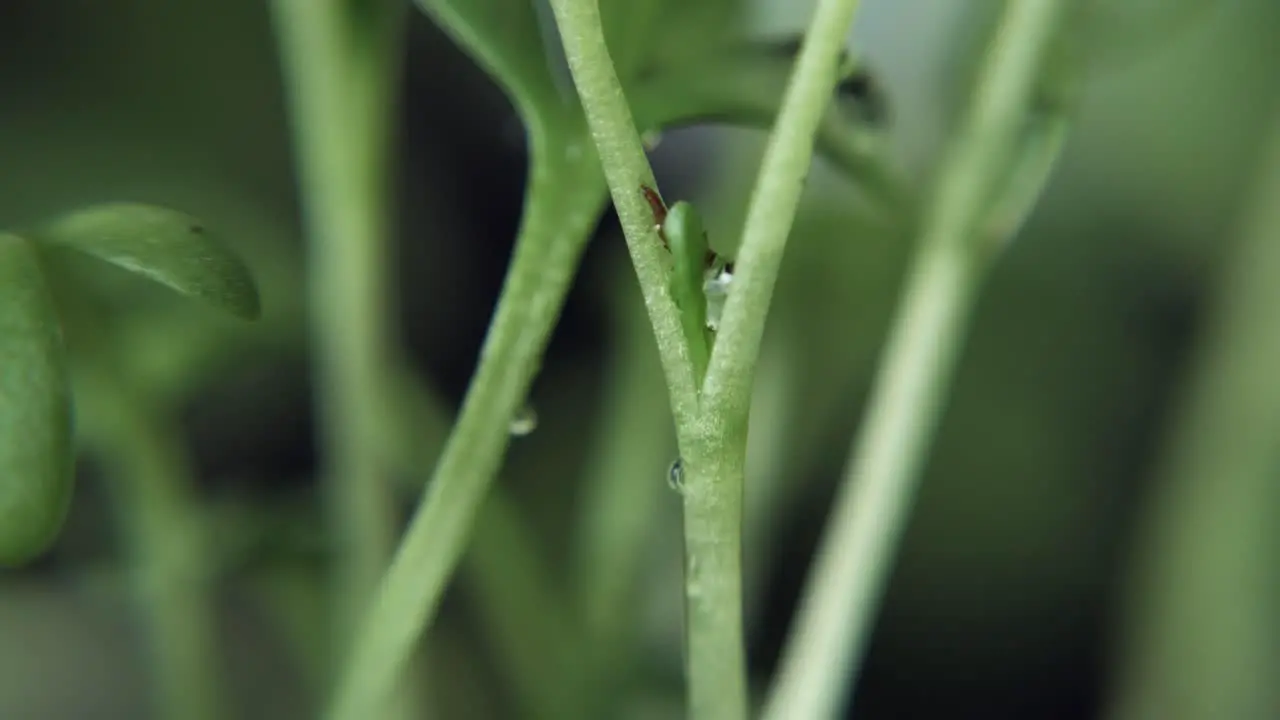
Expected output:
(716, 460)
(341, 69)
(561, 210)
(1203, 636)
(857, 550)
(151, 486)
(716, 664)
(712, 437)
(714, 467)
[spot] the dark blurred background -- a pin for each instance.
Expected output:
(1006, 599)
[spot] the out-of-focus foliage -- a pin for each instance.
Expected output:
(166, 246)
(1004, 598)
(35, 407)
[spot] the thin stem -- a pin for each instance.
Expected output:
(772, 209)
(857, 550)
(341, 72)
(561, 210)
(1202, 627)
(627, 170)
(505, 575)
(151, 484)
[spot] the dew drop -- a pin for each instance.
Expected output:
(651, 140)
(525, 422)
(675, 475)
(716, 289)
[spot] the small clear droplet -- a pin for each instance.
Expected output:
(651, 139)
(675, 476)
(525, 422)
(716, 289)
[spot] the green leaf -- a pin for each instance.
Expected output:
(742, 83)
(647, 32)
(507, 40)
(167, 246)
(36, 459)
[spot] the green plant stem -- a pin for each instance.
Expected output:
(871, 509)
(626, 168)
(1202, 627)
(526, 615)
(562, 207)
(716, 460)
(712, 438)
(715, 656)
(151, 485)
(772, 209)
(716, 664)
(341, 69)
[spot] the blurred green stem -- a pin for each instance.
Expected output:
(1203, 637)
(151, 485)
(855, 555)
(526, 615)
(341, 66)
(562, 208)
(623, 492)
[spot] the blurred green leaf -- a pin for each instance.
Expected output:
(673, 30)
(1118, 32)
(742, 83)
(644, 33)
(36, 461)
(167, 246)
(504, 37)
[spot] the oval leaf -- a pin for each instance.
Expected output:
(167, 246)
(36, 460)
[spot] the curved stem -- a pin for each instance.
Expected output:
(522, 609)
(871, 509)
(562, 207)
(342, 72)
(151, 484)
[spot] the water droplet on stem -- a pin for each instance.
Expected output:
(525, 422)
(675, 476)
